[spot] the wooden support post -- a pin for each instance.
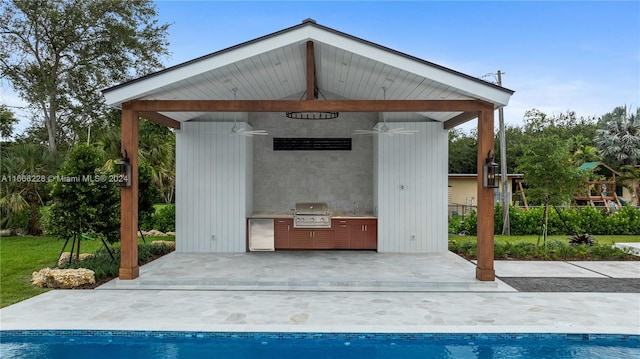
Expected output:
(129, 200)
(484, 268)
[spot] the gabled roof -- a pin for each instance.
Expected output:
(595, 166)
(273, 67)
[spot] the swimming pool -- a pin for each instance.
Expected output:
(155, 344)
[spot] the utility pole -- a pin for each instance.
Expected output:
(504, 195)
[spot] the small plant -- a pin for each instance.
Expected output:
(582, 239)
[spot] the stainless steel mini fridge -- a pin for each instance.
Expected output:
(261, 234)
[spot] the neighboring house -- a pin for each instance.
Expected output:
(463, 191)
(396, 182)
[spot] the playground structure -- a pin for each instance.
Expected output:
(603, 191)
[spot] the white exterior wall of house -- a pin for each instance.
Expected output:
(213, 187)
(410, 189)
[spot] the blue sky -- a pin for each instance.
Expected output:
(557, 56)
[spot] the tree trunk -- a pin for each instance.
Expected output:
(50, 121)
(546, 221)
(34, 228)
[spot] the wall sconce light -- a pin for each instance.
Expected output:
(490, 169)
(124, 171)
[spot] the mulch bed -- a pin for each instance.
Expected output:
(554, 284)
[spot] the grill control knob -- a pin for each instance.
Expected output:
(312, 219)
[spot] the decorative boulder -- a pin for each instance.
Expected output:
(171, 234)
(62, 278)
(64, 258)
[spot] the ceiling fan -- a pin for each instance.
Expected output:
(384, 129)
(237, 130)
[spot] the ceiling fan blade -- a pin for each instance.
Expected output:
(257, 132)
(401, 131)
(375, 131)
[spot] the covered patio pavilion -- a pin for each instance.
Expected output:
(283, 72)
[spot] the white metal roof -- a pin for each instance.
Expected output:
(273, 67)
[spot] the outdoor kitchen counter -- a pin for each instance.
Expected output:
(334, 215)
(272, 214)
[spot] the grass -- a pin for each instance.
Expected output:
(21, 256)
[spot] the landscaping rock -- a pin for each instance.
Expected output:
(64, 258)
(6, 233)
(171, 234)
(156, 233)
(62, 278)
(152, 233)
(169, 244)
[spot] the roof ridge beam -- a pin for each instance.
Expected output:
(311, 71)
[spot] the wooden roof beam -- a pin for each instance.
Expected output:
(311, 71)
(307, 105)
(160, 119)
(460, 119)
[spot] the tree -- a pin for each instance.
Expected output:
(156, 149)
(7, 121)
(548, 173)
(85, 199)
(463, 155)
(630, 178)
(619, 139)
(59, 53)
(25, 169)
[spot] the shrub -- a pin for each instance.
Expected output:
(148, 193)
(582, 239)
(105, 267)
(624, 221)
(89, 202)
(455, 224)
(555, 250)
(165, 219)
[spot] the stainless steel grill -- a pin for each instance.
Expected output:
(312, 215)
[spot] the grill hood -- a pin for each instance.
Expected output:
(312, 208)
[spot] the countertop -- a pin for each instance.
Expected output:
(334, 215)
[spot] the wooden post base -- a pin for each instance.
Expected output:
(129, 273)
(485, 274)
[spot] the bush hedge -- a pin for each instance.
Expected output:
(555, 250)
(624, 221)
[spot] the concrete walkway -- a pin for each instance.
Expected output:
(334, 292)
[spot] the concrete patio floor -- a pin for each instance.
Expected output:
(333, 292)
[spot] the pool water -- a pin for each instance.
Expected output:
(134, 344)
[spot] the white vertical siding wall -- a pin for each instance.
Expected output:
(410, 189)
(213, 188)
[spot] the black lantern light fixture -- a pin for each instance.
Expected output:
(313, 115)
(124, 171)
(490, 169)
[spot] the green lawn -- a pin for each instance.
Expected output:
(21, 256)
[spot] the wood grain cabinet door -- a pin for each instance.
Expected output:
(301, 239)
(282, 228)
(370, 234)
(342, 233)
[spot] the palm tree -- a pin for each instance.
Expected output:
(630, 178)
(156, 148)
(25, 171)
(620, 139)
